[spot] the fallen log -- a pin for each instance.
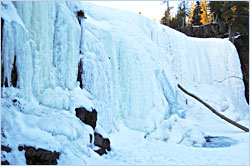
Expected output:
(214, 111)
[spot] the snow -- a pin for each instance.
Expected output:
(131, 68)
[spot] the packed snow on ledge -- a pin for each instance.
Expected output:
(126, 67)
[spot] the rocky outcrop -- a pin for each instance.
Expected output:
(5, 149)
(217, 30)
(90, 118)
(86, 116)
(5, 162)
(39, 156)
(242, 45)
(101, 142)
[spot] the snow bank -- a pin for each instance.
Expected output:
(131, 68)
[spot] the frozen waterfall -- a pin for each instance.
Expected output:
(130, 70)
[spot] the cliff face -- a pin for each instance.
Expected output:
(120, 63)
(242, 45)
(213, 30)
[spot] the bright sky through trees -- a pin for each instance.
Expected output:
(151, 9)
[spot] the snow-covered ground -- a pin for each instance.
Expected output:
(131, 68)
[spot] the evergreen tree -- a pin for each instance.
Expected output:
(235, 13)
(196, 19)
(216, 10)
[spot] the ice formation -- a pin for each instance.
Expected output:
(131, 67)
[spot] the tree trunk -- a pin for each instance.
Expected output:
(214, 111)
(168, 11)
(230, 32)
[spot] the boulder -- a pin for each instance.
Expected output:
(86, 116)
(5, 162)
(101, 151)
(101, 142)
(39, 156)
(5, 148)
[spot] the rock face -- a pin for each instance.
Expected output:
(90, 118)
(5, 148)
(242, 45)
(86, 116)
(8, 150)
(5, 162)
(218, 30)
(101, 142)
(40, 156)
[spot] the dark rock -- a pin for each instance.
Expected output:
(101, 151)
(20, 148)
(40, 156)
(15, 100)
(5, 148)
(90, 138)
(86, 116)
(2, 24)
(5, 162)
(2, 66)
(206, 31)
(242, 45)
(2, 134)
(2, 74)
(6, 82)
(14, 75)
(29, 153)
(101, 142)
(189, 30)
(106, 144)
(223, 28)
(80, 15)
(80, 72)
(90, 118)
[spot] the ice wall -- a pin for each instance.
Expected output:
(147, 60)
(131, 65)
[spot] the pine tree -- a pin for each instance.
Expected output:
(216, 10)
(235, 13)
(196, 19)
(191, 13)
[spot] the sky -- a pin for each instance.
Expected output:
(150, 9)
